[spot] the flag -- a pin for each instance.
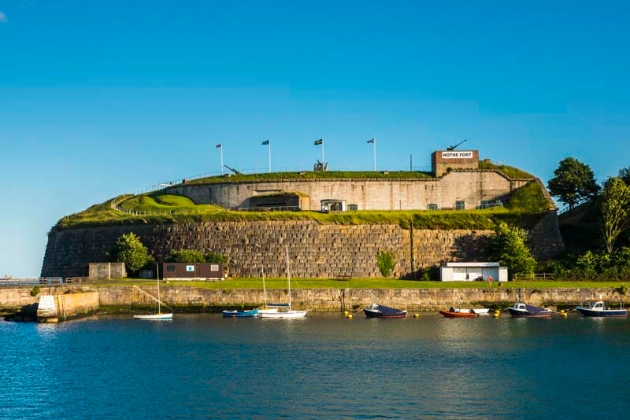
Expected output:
(265, 143)
(318, 142)
(371, 141)
(219, 146)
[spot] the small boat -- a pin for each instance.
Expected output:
(159, 316)
(240, 314)
(523, 310)
(598, 309)
(382, 311)
(459, 313)
(287, 311)
(478, 311)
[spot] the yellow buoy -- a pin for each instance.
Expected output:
(564, 314)
(496, 314)
(345, 313)
(416, 315)
(349, 316)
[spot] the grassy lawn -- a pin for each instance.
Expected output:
(281, 283)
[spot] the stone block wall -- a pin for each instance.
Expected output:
(315, 250)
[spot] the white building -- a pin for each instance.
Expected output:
(471, 271)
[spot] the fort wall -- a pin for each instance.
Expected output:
(470, 186)
(316, 250)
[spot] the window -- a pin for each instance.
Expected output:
(460, 205)
(170, 268)
(353, 207)
(432, 206)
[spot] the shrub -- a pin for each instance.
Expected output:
(385, 262)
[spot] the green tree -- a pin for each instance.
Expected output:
(132, 252)
(615, 205)
(216, 258)
(385, 262)
(573, 182)
(508, 246)
(190, 256)
(624, 174)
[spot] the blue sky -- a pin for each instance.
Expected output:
(103, 98)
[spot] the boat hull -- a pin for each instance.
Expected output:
(606, 313)
(155, 317)
(240, 314)
(449, 314)
(283, 314)
(523, 314)
(371, 313)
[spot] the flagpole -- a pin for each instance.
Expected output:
(269, 153)
(221, 151)
(374, 144)
(323, 158)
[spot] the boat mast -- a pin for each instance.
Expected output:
(264, 288)
(157, 276)
(286, 248)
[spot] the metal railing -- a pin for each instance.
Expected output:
(533, 277)
(31, 281)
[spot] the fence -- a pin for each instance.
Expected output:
(534, 277)
(33, 281)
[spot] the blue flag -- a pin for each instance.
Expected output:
(318, 142)
(266, 142)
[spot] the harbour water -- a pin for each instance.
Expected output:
(323, 366)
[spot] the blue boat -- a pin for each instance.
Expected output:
(240, 314)
(598, 309)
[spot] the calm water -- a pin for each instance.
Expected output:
(324, 366)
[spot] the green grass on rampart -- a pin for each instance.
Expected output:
(524, 208)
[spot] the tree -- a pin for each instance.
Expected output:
(132, 252)
(385, 262)
(507, 246)
(190, 256)
(624, 174)
(615, 210)
(573, 182)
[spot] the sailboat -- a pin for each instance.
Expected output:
(159, 316)
(271, 308)
(288, 313)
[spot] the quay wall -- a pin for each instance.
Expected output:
(192, 299)
(315, 250)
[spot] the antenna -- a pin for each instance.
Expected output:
(453, 147)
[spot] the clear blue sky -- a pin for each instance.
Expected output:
(103, 98)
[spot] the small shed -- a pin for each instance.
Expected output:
(331, 205)
(192, 271)
(473, 271)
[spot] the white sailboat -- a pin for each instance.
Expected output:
(268, 309)
(159, 316)
(288, 313)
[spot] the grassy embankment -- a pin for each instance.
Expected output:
(523, 209)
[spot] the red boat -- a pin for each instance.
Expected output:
(458, 313)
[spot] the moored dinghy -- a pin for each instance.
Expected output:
(382, 311)
(459, 313)
(523, 310)
(240, 314)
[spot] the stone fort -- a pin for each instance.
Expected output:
(321, 250)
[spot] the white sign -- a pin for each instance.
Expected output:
(190, 268)
(457, 155)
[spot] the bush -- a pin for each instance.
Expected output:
(385, 262)
(35, 291)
